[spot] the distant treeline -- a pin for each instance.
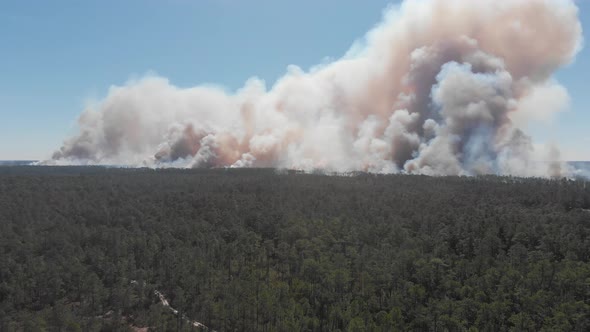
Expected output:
(16, 162)
(84, 249)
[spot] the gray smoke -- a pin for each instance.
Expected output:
(440, 87)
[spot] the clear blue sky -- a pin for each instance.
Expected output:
(57, 55)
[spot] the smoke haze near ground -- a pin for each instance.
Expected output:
(439, 87)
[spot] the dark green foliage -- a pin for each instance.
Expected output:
(255, 250)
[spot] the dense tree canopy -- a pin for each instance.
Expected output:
(83, 249)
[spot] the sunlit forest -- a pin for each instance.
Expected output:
(89, 249)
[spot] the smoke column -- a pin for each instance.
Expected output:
(439, 87)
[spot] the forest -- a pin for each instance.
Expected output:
(89, 249)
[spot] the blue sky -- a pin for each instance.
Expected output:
(56, 56)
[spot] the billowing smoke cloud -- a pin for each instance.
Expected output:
(439, 87)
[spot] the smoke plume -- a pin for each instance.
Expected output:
(439, 87)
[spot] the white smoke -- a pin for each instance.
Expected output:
(439, 87)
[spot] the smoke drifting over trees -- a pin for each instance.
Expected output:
(439, 87)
